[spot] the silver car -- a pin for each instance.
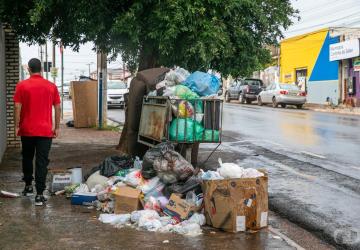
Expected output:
(282, 94)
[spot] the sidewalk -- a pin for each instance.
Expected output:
(62, 226)
(337, 110)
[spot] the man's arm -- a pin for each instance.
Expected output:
(57, 120)
(17, 113)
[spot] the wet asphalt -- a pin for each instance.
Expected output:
(313, 161)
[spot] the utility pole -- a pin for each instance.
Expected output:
(46, 62)
(124, 72)
(102, 88)
(53, 59)
(42, 60)
(62, 80)
(88, 64)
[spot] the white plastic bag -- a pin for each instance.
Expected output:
(189, 229)
(251, 173)
(133, 178)
(115, 219)
(230, 170)
(149, 220)
(150, 224)
(136, 215)
(149, 185)
(211, 175)
(197, 219)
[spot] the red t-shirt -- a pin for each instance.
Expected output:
(37, 96)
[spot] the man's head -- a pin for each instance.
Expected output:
(34, 66)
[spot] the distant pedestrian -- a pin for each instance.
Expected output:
(34, 99)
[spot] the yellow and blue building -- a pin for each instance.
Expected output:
(304, 60)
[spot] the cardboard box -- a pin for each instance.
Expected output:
(126, 200)
(178, 208)
(84, 103)
(236, 205)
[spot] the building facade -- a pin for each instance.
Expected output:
(305, 61)
(347, 53)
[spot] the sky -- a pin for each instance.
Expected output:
(314, 14)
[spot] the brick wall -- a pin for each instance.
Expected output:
(11, 78)
(3, 134)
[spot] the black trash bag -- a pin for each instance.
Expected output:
(111, 165)
(150, 156)
(192, 184)
(70, 124)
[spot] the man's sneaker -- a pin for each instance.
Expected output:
(28, 191)
(40, 200)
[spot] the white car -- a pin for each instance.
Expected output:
(282, 94)
(115, 93)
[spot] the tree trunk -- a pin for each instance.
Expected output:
(122, 146)
(148, 57)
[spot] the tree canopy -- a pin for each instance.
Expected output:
(230, 36)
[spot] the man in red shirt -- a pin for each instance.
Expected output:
(34, 99)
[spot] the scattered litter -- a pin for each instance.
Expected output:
(277, 237)
(60, 192)
(8, 194)
(115, 219)
(162, 192)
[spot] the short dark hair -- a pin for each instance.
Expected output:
(34, 65)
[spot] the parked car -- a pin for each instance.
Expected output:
(115, 93)
(282, 94)
(66, 88)
(244, 90)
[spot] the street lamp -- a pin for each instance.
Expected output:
(88, 64)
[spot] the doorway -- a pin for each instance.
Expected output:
(301, 79)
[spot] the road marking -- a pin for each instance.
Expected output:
(285, 238)
(312, 154)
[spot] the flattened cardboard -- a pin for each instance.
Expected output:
(178, 208)
(235, 205)
(84, 103)
(126, 200)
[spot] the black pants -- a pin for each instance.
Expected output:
(40, 147)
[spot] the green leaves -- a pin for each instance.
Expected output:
(227, 36)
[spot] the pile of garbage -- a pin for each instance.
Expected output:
(161, 193)
(195, 105)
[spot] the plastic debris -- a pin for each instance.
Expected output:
(95, 179)
(230, 170)
(211, 175)
(198, 219)
(189, 229)
(202, 83)
(8, 194)
(82, 188)
(166, 241)
(133, 178)
(251, 173)
(115, 219)
(136, 215)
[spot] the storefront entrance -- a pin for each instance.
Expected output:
(301, 79)
(353, 83)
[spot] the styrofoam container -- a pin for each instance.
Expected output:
(81, 198)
